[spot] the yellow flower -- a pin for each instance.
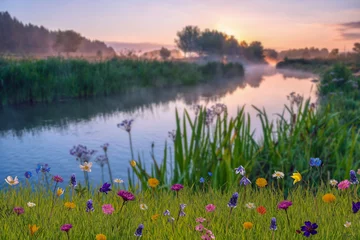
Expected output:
(153, 182)
(70, 205)
(59, 192)
(133, 163)
(100, 237)
(33, 229)
(248, 225)
(297, 177)
(329, 198)
(155, 216)
(261, 182)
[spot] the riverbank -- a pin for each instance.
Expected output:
(55, 79)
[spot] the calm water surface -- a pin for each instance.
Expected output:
(45, 133)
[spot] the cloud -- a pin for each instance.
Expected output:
(350, 25)
(349, 30)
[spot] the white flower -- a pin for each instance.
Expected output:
(347, 224)
(278, 175)
(118, 180)
(31, 204)
(250, 205)
(143, 206)
(333, 182)
(358, 171)
(12, 181)
(86, 167)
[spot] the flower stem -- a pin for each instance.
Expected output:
(287, 216)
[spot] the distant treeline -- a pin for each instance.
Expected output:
(53, 79)
(27, 39)
(215, 43)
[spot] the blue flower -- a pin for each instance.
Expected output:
(233, 200)
(210, 174)
(309, 228)
(353, 178)
(202, 180)
(89, 206)
(315, 162)
(138, 232)
(28, 174)
(105, 188)
(44, 168)
(240, 170)
(273, 226)
(73, 180)
(355, 207)
(244, 181)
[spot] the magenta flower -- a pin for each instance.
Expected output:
(344, 185)
(126, 196)
(107, 209)
(210, 207)
(66, 227)
(177, 187)
(200, 220)
(19, 210)
(199, 228)
(58, 179)
(284, 204)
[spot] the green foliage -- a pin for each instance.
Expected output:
(67, 41)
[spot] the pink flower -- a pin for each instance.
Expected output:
(284, 204)
(107, 209)
(199, 228)
(177, 187)
(210, 207)
(200, 220)
(344, 185)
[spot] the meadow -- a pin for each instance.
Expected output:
(233, 185)
(56, 79)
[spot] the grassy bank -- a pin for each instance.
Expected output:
(55, 79)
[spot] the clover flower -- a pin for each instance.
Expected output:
(284, 204)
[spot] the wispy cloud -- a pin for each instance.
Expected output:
(349, 30)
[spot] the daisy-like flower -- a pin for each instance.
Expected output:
(118, 180)
(278, 175)
(12, 181)
(143, 206)
(333, 182)
(31, 204)
(250, 205)
(86, 167)
(347, 224)
(59, 192)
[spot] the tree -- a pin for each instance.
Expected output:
(187, 39)
(334, 52)
(271, 53)
(212, 42)
(165, 53)
(356, 48)
(255, 51)
(231, 46)
(67, 41)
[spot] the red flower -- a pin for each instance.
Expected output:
(261, 210)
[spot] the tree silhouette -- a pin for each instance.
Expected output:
(187, 39)
(165, 53)
(67, 41)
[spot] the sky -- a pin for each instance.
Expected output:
(279, 24)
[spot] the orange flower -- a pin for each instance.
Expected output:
(155, 217)
(33, 229)
(261, 210)
(153, 182)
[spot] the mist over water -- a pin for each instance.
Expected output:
(46, 132)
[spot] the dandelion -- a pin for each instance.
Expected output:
(58, 179)
(70, 205)
(315, 162)
(107, 209)
(329, 198)
(240, 170)
(202, 180)
(250, 205)
(31, 204)
(355, 207)
(333, 182)
(347, 224)
(244, 181)
(105, 188)
(86, 167)
(12, 181)
(143, 206)
(100, 236)
(118, 180)
(248, 225)
(166, 213)
(199, 228)
(155, 217)
(261, 182)
(297, 177)
(28, 174)
(353, 178)
(153, 182)
(210, 207)
(33, 229)
(343, 185)
(273, 226)
(261, 210)
(278, 175)
(200, 220)
(89, 206)
(138, 232)
(59, 192)
(133, 163)
(126, 125)
(309, 228)
(18, 210)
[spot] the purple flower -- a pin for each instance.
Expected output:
(126, 196)
(284, 204)
(89, 206)
(167, 213)
(209, 117)
(82, 153)
(233, 200)
(105, 188)
(181, 212)
(44, 168)
(138, 232)
(73, 180)
(66, 227)
(101, 160)
(28, 174)
(309, 228)
(126, 125)
(273, 226)
(240, 170)
(19, 210)
(105, 147)
(244, 181)
(355, 207)
(353, 178)
(177, 187)
(219, 108)
(58, 179)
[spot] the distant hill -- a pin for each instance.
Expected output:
(28, 39)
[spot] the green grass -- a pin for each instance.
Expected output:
(54, 79)
(121, 225)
